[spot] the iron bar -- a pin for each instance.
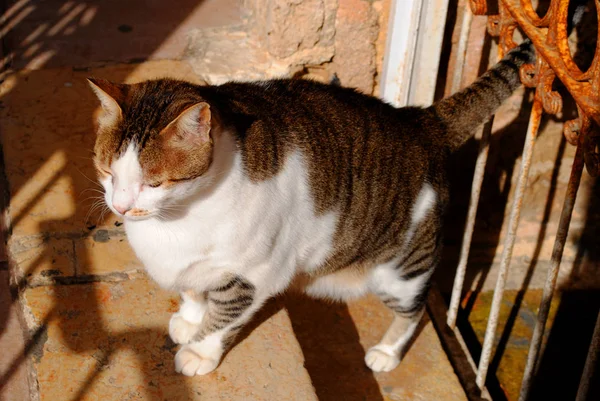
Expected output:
(455, 347)
(550, 38)
(532, 129)
(482, 155)
(557, 252)
(461, 51)
(470, 224)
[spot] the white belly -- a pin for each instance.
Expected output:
(264, 231)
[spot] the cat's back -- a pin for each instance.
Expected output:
(296, 113)
(300, 96)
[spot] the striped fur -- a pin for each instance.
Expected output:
(473, 105)
(226, 305)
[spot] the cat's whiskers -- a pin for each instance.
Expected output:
(174, 208)
(92, 190)
(93, 207)
(93, 197)
(86, 158)
(104, 211)
(96, 202)
(99, 203)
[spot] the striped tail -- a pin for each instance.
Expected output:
(464, 111)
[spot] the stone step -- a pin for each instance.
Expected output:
(107, 339)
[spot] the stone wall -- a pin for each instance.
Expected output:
(313, 38)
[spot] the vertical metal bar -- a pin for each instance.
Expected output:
(470, 224)
(490, 332)
(557, 252)
(455, 347)
(590, 363)
(461, 51)
(459, 277)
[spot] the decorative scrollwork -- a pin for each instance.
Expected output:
(550, 39)
(493, 25)
(591, 147)
(551, 100)
(479, 7)
(571, 131)
(507, 26)
(528, 75)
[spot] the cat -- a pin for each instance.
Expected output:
(230, 194)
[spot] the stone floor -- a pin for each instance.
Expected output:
(93, 326)
(98, 325)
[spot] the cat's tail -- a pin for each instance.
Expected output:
(464, 111)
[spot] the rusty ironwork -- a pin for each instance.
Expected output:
(549, 286)
(549, 35)
(550, 38)
(509, 242)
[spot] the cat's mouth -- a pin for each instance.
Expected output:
(138, 214)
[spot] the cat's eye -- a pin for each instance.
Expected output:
(105, 171)
(154, 184)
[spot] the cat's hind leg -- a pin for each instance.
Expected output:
(402, 285)
(406, 298)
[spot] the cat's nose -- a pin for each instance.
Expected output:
(122, 209)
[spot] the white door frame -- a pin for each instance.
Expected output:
(412, 55)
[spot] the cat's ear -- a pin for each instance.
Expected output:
(109, 95)
(192, 126)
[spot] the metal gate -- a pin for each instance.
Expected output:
(549, 36)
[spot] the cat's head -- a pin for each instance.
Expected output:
(154, 144)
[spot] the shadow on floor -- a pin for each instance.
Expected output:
(66, 33)
(333, 355)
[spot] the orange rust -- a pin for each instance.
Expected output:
(550, 38)
(479, 7)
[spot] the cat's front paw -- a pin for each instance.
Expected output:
(180, 330)
(189, 362)
(380, 361)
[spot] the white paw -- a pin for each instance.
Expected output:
(180, 330)
(380, 361)
(190, 363)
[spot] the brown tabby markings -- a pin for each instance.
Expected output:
(226, 304)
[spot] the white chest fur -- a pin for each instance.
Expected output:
(266, 231)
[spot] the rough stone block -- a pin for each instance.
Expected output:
(355, 38)
(284, 27)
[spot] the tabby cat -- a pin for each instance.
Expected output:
(232, 193)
